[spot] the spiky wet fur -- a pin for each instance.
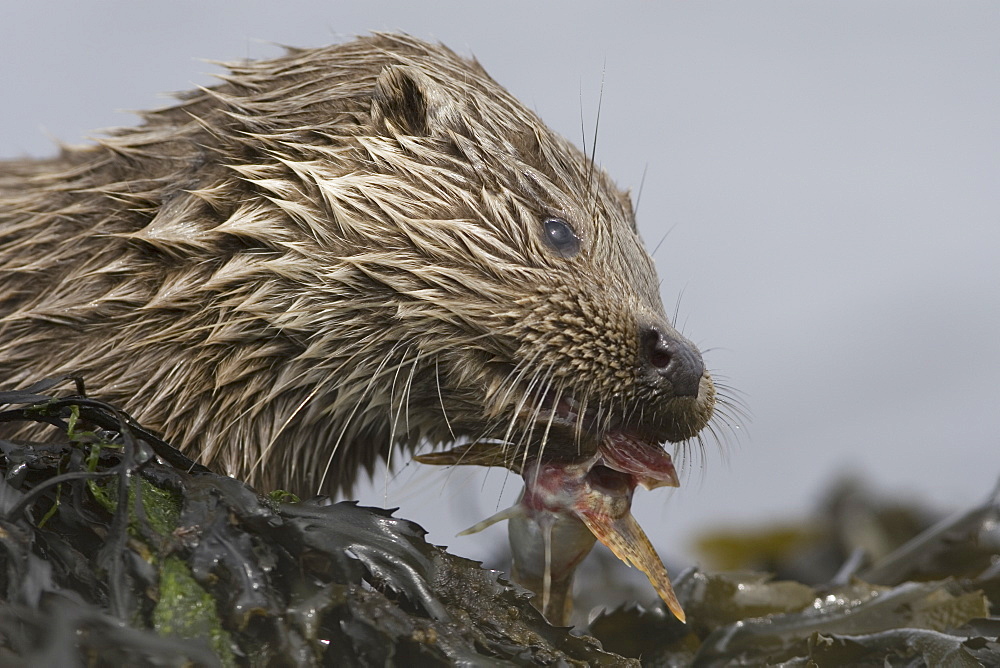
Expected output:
(330, 253)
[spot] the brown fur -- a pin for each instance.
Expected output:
(330, 253)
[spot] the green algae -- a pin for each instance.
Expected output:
(186, 610)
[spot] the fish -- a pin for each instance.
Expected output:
(566, 506)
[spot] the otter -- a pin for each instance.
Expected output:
(337, 253)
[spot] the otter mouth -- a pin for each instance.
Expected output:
(577, 499)
(581, 467)
(562, 411)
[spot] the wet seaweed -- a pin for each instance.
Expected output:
(931, 600)
(116, 549)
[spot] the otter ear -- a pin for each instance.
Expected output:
(406, 101)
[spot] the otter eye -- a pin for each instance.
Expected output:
(561, 237)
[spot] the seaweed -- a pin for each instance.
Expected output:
(931, 600)
(116, 549)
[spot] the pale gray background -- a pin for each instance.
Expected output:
(828, 173)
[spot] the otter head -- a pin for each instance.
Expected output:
(346, 249)
(477, 276)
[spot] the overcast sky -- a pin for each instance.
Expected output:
(829, 174)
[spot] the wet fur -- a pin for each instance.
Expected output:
(329, 254)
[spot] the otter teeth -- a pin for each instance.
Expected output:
(566, 409)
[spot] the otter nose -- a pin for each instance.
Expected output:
(673, 359)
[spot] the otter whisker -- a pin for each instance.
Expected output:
(593, 150)
(353, 412)
(444, 410)
(275, 391)
(525, 397)
(402, 408)
(408, 394)
(638, 200)
(288, 382)
(538, 380)
(531, 424)
(540, 455)
(731, 399)
(677, 308)
(659, 243)
(511, 448)
(266, 450)
(579, 425)
(512, 381)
